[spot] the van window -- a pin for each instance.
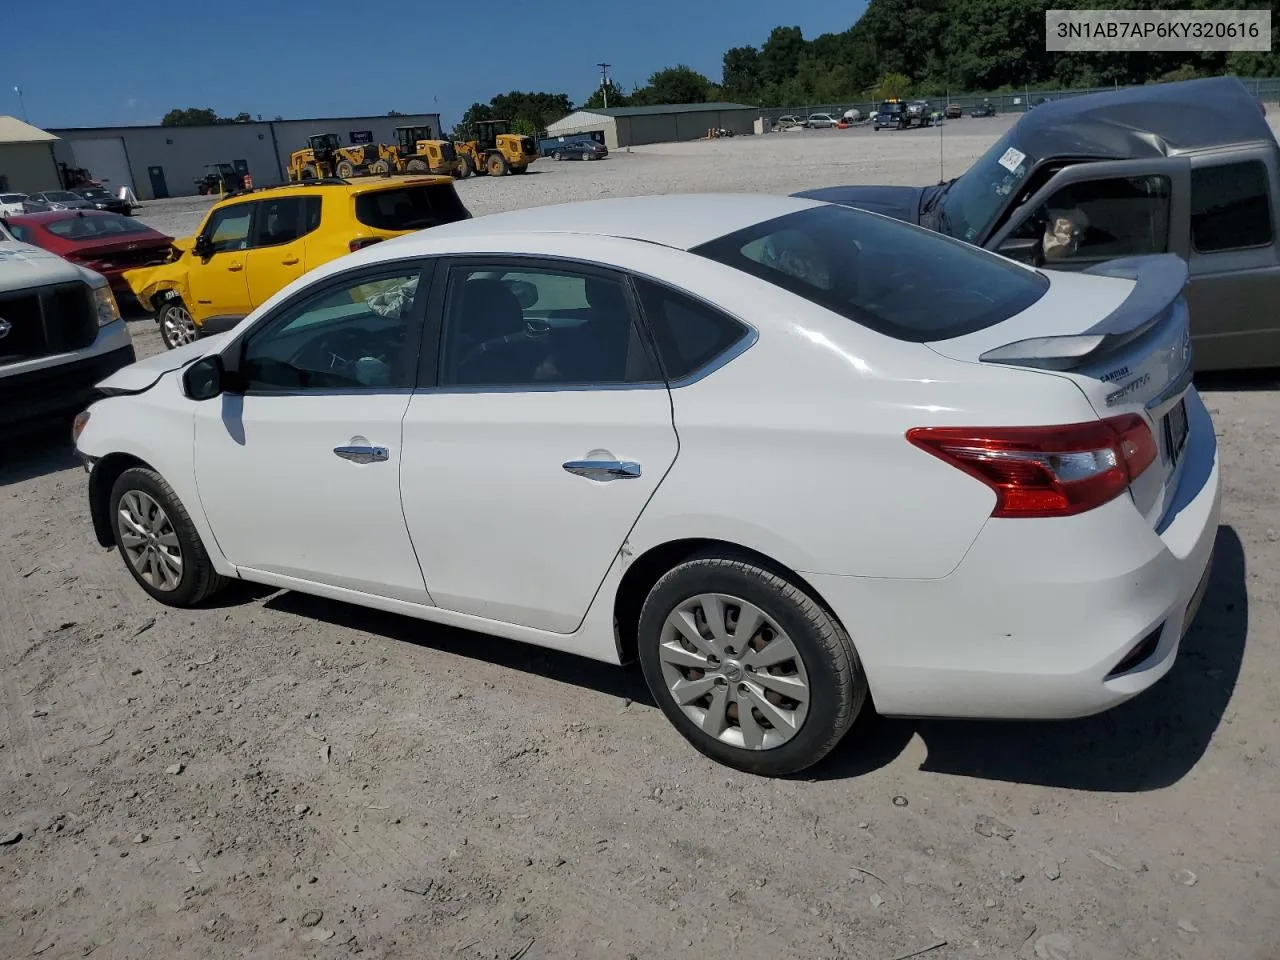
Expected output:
(1230, 207)
(410, 207)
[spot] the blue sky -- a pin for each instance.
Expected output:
(128, 62)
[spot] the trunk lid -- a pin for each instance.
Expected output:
(1120, 333)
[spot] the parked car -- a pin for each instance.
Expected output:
(250, 245)
(1185, 168)
(820, 121)
(60, 333)
(788, 121)
(104, 242)
(954, 111)
(580, 150)
(547, 146)
(984, 109)
(462, 387)
(12, 204)
(56, 200)
(919, 113)
(103, 199)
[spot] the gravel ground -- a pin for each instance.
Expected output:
(281, 776)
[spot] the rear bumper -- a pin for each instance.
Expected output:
(1037, 617)
(65, 387)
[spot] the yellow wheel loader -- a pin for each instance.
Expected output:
(325, 156)
(417, 150)
(496, 151)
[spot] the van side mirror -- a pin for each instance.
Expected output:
(204, 379)
(1024, 249)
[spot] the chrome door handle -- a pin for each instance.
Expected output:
(361, 451)
(604, 470)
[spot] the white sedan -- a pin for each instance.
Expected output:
(791, 456)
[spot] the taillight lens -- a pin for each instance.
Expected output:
(359, 243)
(1047, 471)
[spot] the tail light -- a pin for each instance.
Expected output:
(359, 243)
(1047, 471)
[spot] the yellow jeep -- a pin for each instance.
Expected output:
(253, 244)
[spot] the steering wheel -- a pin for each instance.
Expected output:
(336, 352)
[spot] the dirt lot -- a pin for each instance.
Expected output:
(280, 776)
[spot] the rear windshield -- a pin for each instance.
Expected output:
(410, 207)
(60, 195)
(94, 228)
(11, 197)
(903, 281)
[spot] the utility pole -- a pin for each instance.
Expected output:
(22, 104)
(604, 82)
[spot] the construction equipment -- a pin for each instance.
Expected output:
(325, 156)
(220, 178)
(496, 151)
(417, 150)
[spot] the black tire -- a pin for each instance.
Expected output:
(557, 155)
(417, 165)
(346, 169)
(309, 172)
(586, 155)
(837, 684)
(468, 168)
(198, 580)
(496, 165)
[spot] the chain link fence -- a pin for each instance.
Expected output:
(1007, 101)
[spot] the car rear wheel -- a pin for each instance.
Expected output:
(158, 541)
(749, 667)
(176, 326)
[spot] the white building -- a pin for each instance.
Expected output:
(666, 123)
(27, 164)
(158, 162)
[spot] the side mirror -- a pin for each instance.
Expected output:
(203, 247)
(205, 378)
(1026, 250)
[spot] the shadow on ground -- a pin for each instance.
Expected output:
(1150, 742)
(37, 452)
(1147, 743)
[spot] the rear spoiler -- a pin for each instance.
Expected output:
(1159, 281)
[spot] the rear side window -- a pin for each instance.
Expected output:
(902, 281)
(1230, 207)
(279, 221)
(688, 333)
(410, 207)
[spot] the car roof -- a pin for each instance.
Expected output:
(1163, 119)
(681, 221)
(52, 216)
(324, 188)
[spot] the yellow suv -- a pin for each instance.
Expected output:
(252, 244)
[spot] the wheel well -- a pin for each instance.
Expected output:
(102, 478)
(650, 567)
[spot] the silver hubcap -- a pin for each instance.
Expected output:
(734, 672)
(178, 327)
(149, 540)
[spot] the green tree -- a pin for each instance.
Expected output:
(741, 78)
(678, 84)
(394, 113)
(190, 117)
(617, 98)
(536, 109)
(892, 86)
(780, 55)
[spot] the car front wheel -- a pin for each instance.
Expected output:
(750, 668)
(176, 326)
(158, 541)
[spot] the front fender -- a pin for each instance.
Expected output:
(147, 283)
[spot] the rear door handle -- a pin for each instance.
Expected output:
(359, 450)
(603, 471)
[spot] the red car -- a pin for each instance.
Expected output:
(102, 241)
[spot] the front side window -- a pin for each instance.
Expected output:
(228, 228)
(902, 281)
(280, 220)
(361, 335)
(537, 328)
(21, 233)
(1230, 207)
(1102, 219)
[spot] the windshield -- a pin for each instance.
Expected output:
(12, 197)
(900, 280)
(974, 199)
(892, 107)
(95, 228)
(93, 193)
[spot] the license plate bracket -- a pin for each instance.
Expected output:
(1175, 431)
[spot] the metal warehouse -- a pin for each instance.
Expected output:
(159, 162)
(666, 123)
(26, 158)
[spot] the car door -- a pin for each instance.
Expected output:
(299, 468)
(1089, 213)
(547, 429)
(217, 281)
(277, 249)
(1235, 271)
